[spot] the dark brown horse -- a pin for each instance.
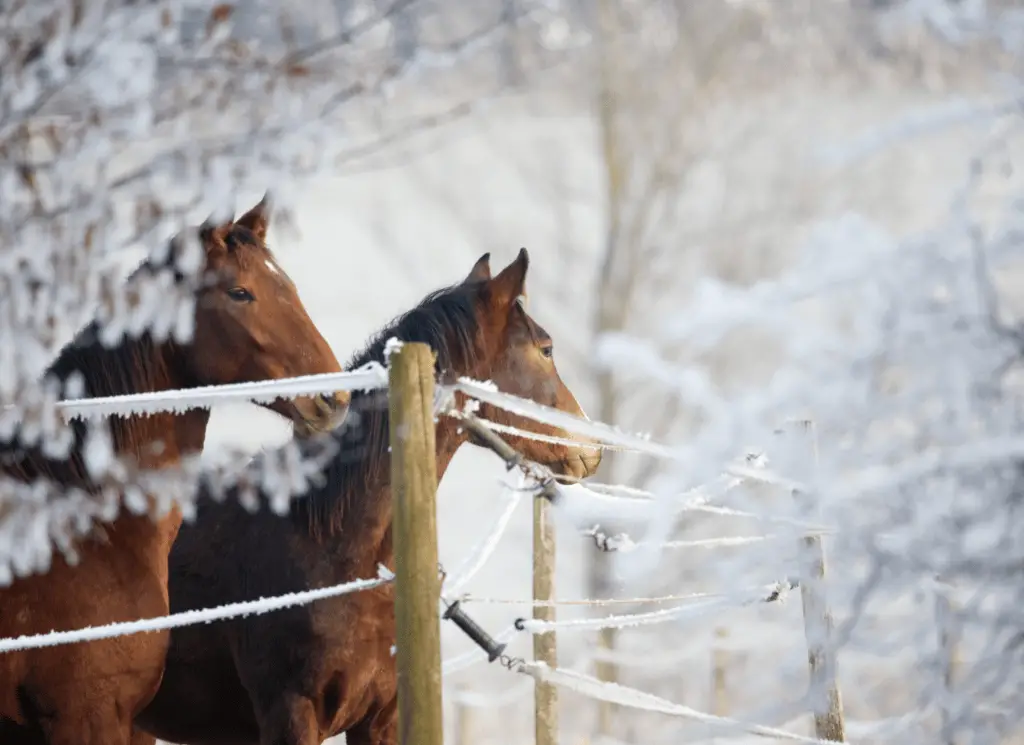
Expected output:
(249, 325)
(298, 676)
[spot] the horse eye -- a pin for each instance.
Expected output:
(548, 350)
(240, 295)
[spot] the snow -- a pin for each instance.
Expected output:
(98, 450)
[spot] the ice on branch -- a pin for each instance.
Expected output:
(124, 125)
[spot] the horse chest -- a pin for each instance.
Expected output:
(351, 693)
(353, 654)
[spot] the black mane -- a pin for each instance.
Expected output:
(446, 321)
(134, 365)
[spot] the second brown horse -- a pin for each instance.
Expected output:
(298, 676)
(249, 325)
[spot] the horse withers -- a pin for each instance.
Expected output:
(300, 675)
(249, 325)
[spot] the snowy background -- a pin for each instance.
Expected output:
(810, 211)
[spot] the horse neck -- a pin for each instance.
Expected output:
(366, 533)
(358, 520)
(152, 441)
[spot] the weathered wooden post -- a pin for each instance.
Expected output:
(818, 624)
(545, 646)
(719, 666)
(463, 721)
(821, 655)
(417, 585)
(949, 657)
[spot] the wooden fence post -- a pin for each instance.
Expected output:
(414, 525)
(719, 666)
(605, 669)
(545, 646)
(463, 722)
(821, 655)
(949, 657)
(819, 627)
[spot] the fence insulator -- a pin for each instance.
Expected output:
(472, 629)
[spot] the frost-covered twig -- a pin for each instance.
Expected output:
(39, 516)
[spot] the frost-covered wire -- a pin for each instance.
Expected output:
(192, 617)
(615, 693)
(620, 490)
(622, 543)
(486, 545)
(526, 434)
(370, 376)
(488, 393)
(581, 505)
(585, 601)
(712, 509)
(689, 611)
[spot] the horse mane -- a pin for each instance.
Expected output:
(445, 320)
(136, 364)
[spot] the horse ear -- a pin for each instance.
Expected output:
(258, 218)
(185, 255)
(510, 283)
(481, 271)
(211, 232)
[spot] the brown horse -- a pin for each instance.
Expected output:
(298, 676)
(249, 325)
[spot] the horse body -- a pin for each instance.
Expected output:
(223, 680)
(300, 675)
(120, 575)
(88, 694)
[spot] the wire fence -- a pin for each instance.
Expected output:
(601, 501)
